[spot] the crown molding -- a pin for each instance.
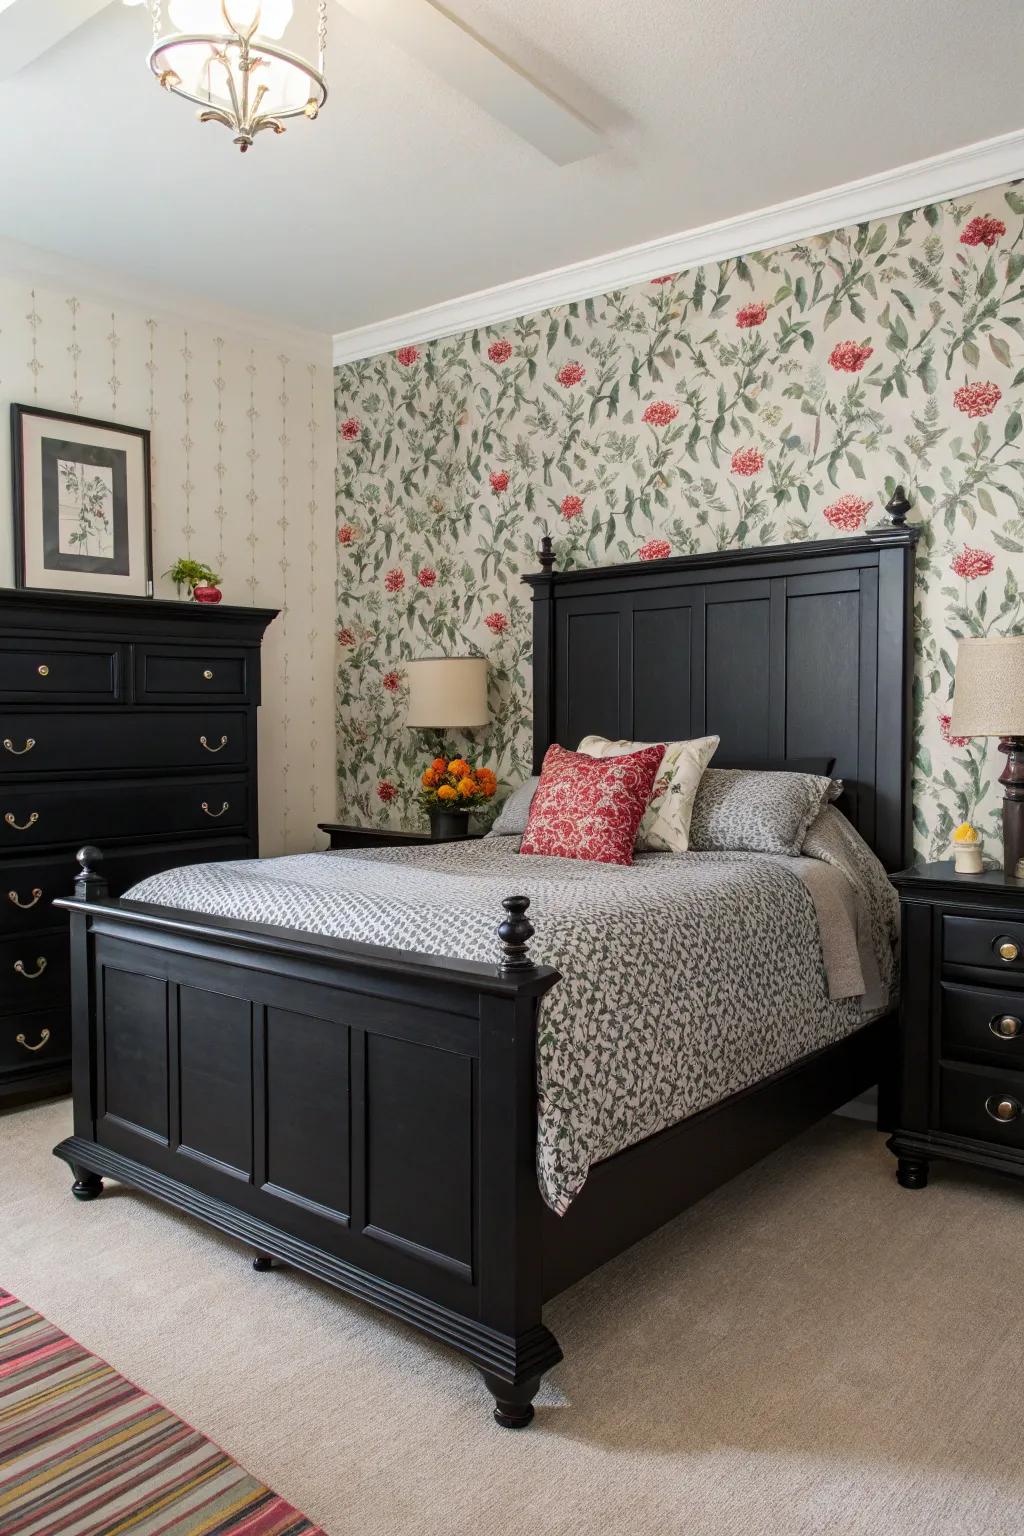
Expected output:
(953, 174)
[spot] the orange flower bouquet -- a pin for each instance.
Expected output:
(451, 788)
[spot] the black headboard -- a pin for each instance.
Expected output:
(787, 651)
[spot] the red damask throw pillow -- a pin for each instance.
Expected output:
(590, 807)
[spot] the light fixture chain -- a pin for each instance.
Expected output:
(156, 7)
(322, 32)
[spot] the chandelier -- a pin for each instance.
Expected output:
(226, 57)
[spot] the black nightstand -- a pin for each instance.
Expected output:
(961, 1090)
(343, 836)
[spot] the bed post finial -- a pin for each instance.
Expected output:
(90, 885)
(515, 932)
(547, 553)
(897, 507)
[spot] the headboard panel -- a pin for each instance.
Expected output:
(792, 651)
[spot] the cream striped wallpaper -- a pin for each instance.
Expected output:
(243, 478)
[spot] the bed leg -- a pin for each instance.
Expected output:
(262, 1263)
(513, 1405)
(912, 1172)
(87, 1185)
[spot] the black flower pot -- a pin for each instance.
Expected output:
(445, 825)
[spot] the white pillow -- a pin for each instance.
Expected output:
(665, 827)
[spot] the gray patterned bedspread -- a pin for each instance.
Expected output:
(684, 977)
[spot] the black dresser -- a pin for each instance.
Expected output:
(127, 723)
(961, 1022)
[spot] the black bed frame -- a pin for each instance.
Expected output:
(368, 1115)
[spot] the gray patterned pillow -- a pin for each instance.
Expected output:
(755, 812)
(512, 818)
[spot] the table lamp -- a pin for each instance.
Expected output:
(988, 700)
(447, 693)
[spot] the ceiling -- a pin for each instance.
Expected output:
(406, 193)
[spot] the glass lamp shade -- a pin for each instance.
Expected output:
(208, 15)
(988, 697)
(287, 88)
(447, 693)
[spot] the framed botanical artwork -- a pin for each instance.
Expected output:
(82, 516)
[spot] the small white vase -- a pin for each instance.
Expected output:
(967, 857)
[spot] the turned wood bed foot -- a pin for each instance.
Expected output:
(912, 1172)
(87, 1185)
(513, 1405)
(262, 1263)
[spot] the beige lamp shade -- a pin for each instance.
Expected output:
(447, 691)
(988, 696)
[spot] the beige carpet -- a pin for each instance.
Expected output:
(811, 1349)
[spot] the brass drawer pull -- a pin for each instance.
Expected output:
(26, 906)
(1003, 1109)
(1008, 950)
(1005, 1026)
(204, 743)
(19, 966)
(9, 746)
(43, 670)
(208, 675)
(20, 826)
(44, 1035)
(215, 814)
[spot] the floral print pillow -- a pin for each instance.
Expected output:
(589, 808)
(752, 811)
(665, 827)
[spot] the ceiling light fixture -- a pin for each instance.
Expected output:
(225, 57)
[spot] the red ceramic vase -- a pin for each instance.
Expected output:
(207, 594)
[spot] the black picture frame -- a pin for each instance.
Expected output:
(127, 571)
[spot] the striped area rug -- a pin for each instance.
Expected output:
(83, 1452)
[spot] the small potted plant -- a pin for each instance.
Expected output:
(200, 580)
(451, 790)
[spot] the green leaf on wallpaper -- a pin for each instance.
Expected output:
(931, 213)
(923, 760)
(782, 293)
(855, 464)
(552, 334)
(1013, 426)
(800, 293)
(833, 312)
(907, 305)
(987, 280)
(1015, 200)
(804, 493)
(971, 354)
(985, 501)
(743, 271)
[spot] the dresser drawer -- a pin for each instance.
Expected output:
(32, 1041)
(57, 672)
(32, 816)
(180, 674)
(995, 944)
(969, 1097)
(33, 972)
(983, 1024)
(51, 741)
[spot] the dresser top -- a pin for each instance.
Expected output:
(84, 613)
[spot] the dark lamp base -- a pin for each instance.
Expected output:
(1012, 779)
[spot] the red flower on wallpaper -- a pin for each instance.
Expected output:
(350, 429)
(346, 533)
(849, 357)
(659, 413)
(977, 399)
(572, 506)
(747, 461)
(394, 581)
(499, 481)
(970, 563)
(499, 351)
(848, 513)
(951, 741)
(386, 791)
(391, 681)
(407, 356)
(570, 374)
(669, 277)
(654, 549)
(346, 636)
(751, 315)
(982, 231)
(426, 576)
(497, 623)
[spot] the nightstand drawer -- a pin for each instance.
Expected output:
(35, 1040)
(990, 942)
(56, 672)
(983, 1024)
(983, 1103)
(177, 675)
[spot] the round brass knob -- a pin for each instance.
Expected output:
(1003, 1109)
(43, 670)
(1006, 1026)
(1008, 950)
(209, 678)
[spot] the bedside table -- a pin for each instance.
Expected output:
(343, 836)
(961, 1092)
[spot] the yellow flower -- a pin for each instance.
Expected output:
(447, 793)
(429, 779)
(965, 833)
(467, 787)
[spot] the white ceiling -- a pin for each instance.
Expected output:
(405, 193)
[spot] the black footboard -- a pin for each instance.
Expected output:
(364, 1114)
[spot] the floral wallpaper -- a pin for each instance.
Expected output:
(241, 467)
(779, 396)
